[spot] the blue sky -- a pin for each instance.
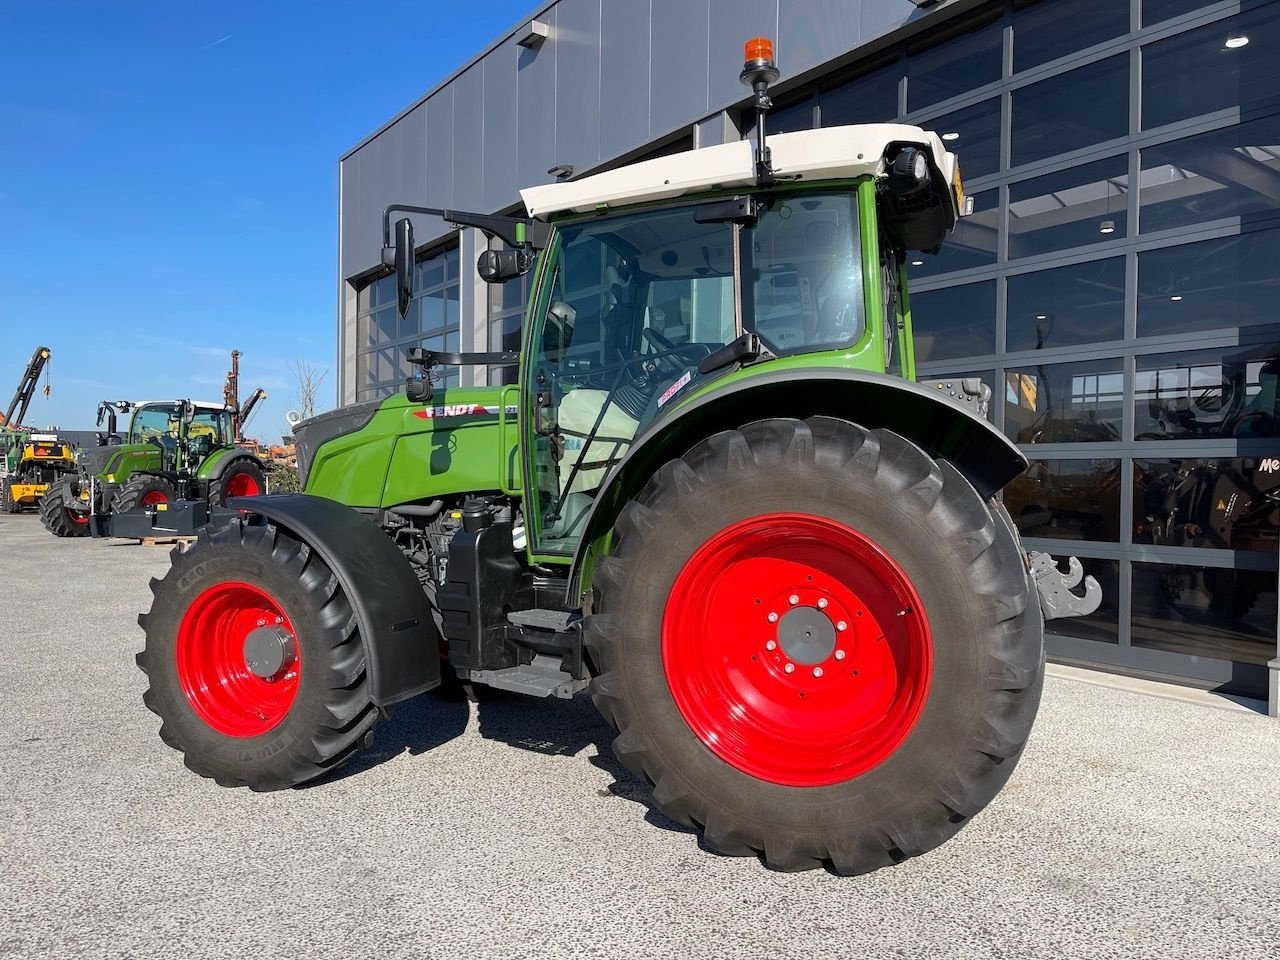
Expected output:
(168, 183)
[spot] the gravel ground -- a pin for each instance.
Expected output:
(1134, 826)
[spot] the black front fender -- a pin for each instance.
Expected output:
(923, 415)
(401, 644)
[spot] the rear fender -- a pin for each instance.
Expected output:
(937, 424)
(401, 645)
(217, 462)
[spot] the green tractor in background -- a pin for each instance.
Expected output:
(716, 498)
(176, 451)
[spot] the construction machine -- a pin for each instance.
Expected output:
(716, 498)
(29, 462)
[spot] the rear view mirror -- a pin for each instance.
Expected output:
(188, 413)
(499, 266)
(404, 264)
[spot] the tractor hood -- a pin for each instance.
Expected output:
(309, 434)
(94, 460)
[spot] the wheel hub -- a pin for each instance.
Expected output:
(268, 650)
(806, 635)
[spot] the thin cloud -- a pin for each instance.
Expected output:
(210, 46)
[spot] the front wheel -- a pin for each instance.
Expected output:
(143, 490)
(243, 478)
(59, 518)
(254, 660)
(818, 643)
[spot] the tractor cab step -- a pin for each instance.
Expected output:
(540, 678)
(555, 620)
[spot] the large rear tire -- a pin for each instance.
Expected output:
(818, 644)
(254, 660)
(57, 517)
(143, 490)
(243, 478)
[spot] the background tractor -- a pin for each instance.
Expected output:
(176, 451)
(29, 461)
(716, 497)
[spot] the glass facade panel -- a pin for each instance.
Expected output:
(1082, 303)
(1072, 208)
(973, 134)
(1067, 500)
(1044, 30)
(956, 322)
(870, 98)
(1071, 110)
(797, 116)
(1227, 503)
(1079, 402)
(972, 59)
(1215, 284)
(1221, 65)
(1227, 173)
(1208, 394)
(1213, 612)
(1157, 11)
(972, 244)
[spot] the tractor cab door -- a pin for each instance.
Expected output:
(628, 306)
(160, 425)
(210, 430)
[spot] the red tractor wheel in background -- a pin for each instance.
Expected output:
(818, 643)
(143, 490)
(57, 517)
(241, 478)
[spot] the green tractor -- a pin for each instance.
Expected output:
(716, 498)
(176, 452)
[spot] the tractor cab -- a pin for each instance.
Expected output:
(185, 432)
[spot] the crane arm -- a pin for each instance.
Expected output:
(27, 387)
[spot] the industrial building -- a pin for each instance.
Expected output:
(1118, 282)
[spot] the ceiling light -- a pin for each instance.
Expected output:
(1176, 298)
(952, 135)
(1042, 316)
(917, 263)
(1236, 42)
(1107, 226)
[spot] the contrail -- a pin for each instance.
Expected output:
(216, 42)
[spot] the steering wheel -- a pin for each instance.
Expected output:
(672, 363)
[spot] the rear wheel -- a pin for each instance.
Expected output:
(143, 490)
(254, 660)
(57, 517)
(819, 644)
(244, 478)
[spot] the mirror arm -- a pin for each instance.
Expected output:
(514, 231)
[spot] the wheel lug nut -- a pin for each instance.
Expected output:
(793, 599)
(817, 671)
(773, 618)
(842, 625)
(262, 623)
(839, 654)
(771, 645)
(789, 668)
(822, 603)
(279, 619)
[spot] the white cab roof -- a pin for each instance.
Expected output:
(833, 153)
(199, 404)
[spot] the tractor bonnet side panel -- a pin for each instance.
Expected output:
(117, 463)
(415, 451)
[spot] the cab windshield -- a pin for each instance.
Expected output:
(637, 300)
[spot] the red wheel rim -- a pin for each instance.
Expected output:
(242, 485)
(80, 518)
(795, 590)
(152, 497)
(212, 668)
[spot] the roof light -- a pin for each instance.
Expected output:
(951, 135)
(1236, 42)
(759, 48)
(917, 263)
(1042, 316)
(1107, 226)
(1176, 298)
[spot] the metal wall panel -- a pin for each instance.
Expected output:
(468, 140)
(678, 52)
(624, 75)
(500, 134)
(438, 191)
(393, 169)
(536, 110)
(578, 83)
(879, 18)
(732, 23)
(815, 31)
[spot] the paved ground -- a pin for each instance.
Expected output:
(1135, 826)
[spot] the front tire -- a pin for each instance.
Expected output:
(143, 490)
(818, 643)
(244, 478)
(254, 660)
(58, 518)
